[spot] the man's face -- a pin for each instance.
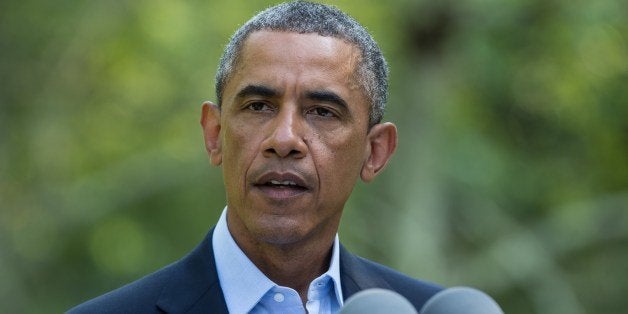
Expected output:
(293, 136)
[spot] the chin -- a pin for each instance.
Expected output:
(281, 232)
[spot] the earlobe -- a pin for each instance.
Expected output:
(210, 122)
(382, 142)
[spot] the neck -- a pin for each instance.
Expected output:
(290, 267)
(294, 265)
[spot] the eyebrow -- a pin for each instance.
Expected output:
(318, 95)
(327, 96)
(257, 90)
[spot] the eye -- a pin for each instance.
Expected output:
(259, 106)
(322, 111)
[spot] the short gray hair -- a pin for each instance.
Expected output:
(307, 17)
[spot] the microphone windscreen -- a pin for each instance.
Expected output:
(461, 300)
(377, 301)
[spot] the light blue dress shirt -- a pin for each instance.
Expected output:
(248, 290)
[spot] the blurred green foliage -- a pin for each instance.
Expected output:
(511, 173)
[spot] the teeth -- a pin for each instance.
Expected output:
(287, 182)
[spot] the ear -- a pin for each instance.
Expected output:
(381, 144)
(210, 121)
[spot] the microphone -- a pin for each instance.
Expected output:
(377, 301)
(461, 300)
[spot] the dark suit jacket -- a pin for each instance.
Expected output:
(191, 285)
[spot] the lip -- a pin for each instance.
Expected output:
(284, 191)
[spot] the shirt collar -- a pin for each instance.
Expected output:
(243, 284)
(334, 269)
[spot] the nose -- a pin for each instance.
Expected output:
(286, 138)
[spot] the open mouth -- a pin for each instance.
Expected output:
(281, 185)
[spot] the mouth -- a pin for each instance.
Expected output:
(281, 185)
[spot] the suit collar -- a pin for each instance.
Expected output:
(194, 285)
(355, 277)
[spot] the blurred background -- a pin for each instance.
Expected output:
(511, 173)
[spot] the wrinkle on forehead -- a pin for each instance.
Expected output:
(301, 52)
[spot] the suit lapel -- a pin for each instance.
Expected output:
(193, 286)
(355, 276)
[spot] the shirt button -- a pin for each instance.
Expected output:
(278, 297)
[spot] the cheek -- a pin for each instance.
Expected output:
(238, 152)
(238, 142)
(341, 159)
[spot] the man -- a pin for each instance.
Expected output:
(301, 90)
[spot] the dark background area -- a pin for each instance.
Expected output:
(511, 173)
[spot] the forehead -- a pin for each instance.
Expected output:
(298, 45)
(291, 53)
